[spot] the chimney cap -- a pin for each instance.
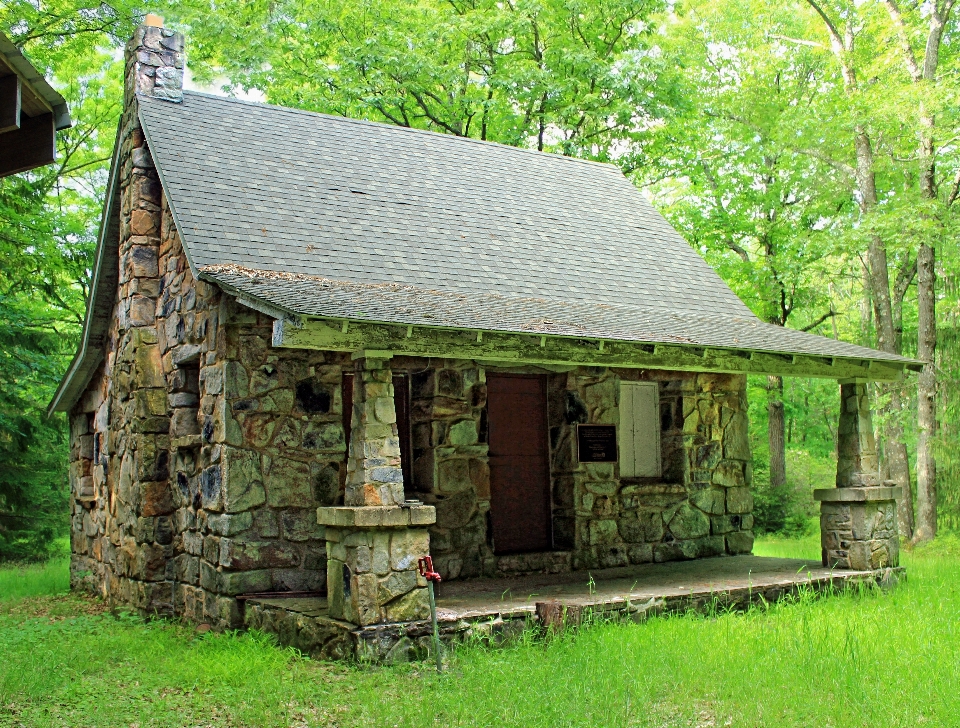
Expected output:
(153, 20)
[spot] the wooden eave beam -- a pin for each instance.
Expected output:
(532, 349)
(33, 145)
(10, 103)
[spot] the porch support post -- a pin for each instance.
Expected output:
(376, 539)
(374, 476)
(858, 518)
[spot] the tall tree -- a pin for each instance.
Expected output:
(843, 26)
(48, 224)
(926, 28)
(733, 182)
(564, 75)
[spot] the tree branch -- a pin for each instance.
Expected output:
(831, 28)
(954, 190)
(799, 41)
(909, 58)
(729, 242)
(820, 320)
(905, 277)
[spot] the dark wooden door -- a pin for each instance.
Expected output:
(519, 463)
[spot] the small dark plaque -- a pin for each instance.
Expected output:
(597, 443)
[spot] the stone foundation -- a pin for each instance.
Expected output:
(858, 527)
(307, 625)
(372, 555)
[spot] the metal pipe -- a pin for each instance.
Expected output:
(436, 630)
(425, 567)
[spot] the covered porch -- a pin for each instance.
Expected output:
(618, 538)
(500, 608)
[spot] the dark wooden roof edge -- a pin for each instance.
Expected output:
(23, 68)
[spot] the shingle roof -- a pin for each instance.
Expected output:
(279, 189)
(411, 305)
(326, 216)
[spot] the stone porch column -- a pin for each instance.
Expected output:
(375, 540)
(858, 518)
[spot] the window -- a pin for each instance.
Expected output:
(639, 430)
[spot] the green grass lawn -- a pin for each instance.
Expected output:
(849, 660)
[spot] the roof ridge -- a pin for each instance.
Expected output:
(384, 125)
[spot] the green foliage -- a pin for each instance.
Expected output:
(811, 413)
(31, 580)
(61, 657)
(565, 75)
(48, 225)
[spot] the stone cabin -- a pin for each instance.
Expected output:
(317, 349)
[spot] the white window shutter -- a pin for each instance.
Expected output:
(639, 430)
(627, 451)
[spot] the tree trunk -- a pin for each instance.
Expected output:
(897, 462)
(876, 275)
(894, 449)
(926, 391)
(776, 433)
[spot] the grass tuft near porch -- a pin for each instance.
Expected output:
(858, 659)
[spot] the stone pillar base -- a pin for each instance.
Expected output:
(858, 527)
(372, 554)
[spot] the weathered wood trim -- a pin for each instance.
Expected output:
(33, 145)
(103, 291)
(524, 349)
(9, 103)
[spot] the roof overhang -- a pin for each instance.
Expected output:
(103, 290)
(313, 313)
(31, 112)
(523, 349)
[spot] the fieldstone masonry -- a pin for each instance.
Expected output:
(376, 539)
(858, 518)
(155, 62)
(198, 456)
(700, 506)
(450, 462)
(373, 551)
(857, 463)
(374, 476)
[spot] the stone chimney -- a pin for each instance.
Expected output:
(154, 65)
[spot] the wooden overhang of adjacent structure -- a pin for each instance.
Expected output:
(31, 113)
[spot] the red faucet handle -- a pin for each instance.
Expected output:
(425, 567)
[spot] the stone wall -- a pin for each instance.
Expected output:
(122, 536)
(257, 444)
(701, 506)
(451, 469)
(199, 454)
(276, 421)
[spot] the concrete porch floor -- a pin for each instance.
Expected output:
(500, 607)
(726, 578)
